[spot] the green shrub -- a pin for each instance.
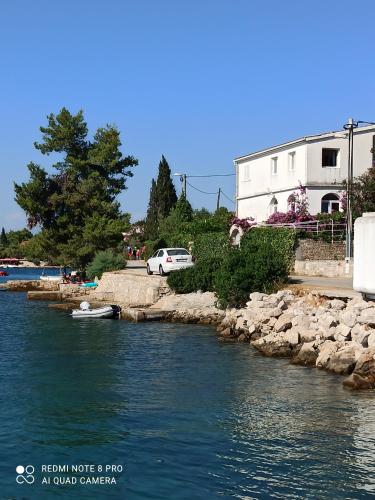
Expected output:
(200, 277)
(261, 264)
(183, 281)
(281, 242)
(243, 272)
(105, 261)
(209, 245)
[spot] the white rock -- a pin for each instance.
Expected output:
(307, 335)
(360, 334)
(337, 304)
(255, 304)
(272, 322)
(240, 325)
(349, 318)
(342, 332)
(292, 337)
(344, 359)
(326, 321)
(326, 350)
(358, 304)
(257, 296)
(283, 323)
(367, 316)
(371, 339)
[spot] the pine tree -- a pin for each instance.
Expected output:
(76, 206)
(152, 217)
(166, 192)
(3, 238)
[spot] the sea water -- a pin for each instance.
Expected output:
(172, 412)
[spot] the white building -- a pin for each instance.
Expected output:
(265, 179)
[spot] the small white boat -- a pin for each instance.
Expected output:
(50, 278)
(85, 311)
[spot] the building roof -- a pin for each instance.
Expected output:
(302, 140)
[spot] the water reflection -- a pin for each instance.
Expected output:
(187, 416)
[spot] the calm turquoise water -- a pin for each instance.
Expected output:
(186, 416)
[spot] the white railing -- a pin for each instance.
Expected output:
(334, 229)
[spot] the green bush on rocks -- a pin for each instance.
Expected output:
(261, 264)
(104, 261)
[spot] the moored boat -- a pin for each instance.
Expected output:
(50, 278)
(3, 273)
(85, 311)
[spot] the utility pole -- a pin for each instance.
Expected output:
(350, 126)
(183, 182)
(218, 199)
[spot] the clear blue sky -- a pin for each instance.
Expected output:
(198, 81)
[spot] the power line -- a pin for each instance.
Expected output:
(204, 192)
(212, 175)
(227, 197)
(215, 193)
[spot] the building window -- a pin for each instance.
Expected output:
(274, 165)
(246, 173)
(330, 157)
(273, 206)
(330, 203)
(292, 161)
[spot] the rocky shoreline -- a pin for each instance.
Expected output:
(311, 330)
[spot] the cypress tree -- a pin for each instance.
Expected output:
(166, 192)
(152, 218)
(3, 238)
(183, 209)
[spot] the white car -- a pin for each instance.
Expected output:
(166, 260)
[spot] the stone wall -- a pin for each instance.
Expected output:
(320, 250)
(327, 268)
(130, 289)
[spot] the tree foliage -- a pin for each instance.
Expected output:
(152, 217)
(166, 192)
(105, 261)
(13, 243)
(363, 193)
(3, 238)
(162, 200)
(76, 205)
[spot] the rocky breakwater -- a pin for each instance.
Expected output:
(196, 307)
(30, 285)
(334, 335)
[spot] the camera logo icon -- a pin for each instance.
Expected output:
(25, 474)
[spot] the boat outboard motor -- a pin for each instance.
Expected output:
(116, 311)
(84, 306)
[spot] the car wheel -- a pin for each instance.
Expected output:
(161, 271)
(149, 270)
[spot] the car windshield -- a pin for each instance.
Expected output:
(177, 251)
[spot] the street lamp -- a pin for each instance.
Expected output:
(183, 181)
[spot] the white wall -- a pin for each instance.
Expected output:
(259, 206)
(261, 185)
(315, 195)
(362, 159)
(254, 193)
(260, 178)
